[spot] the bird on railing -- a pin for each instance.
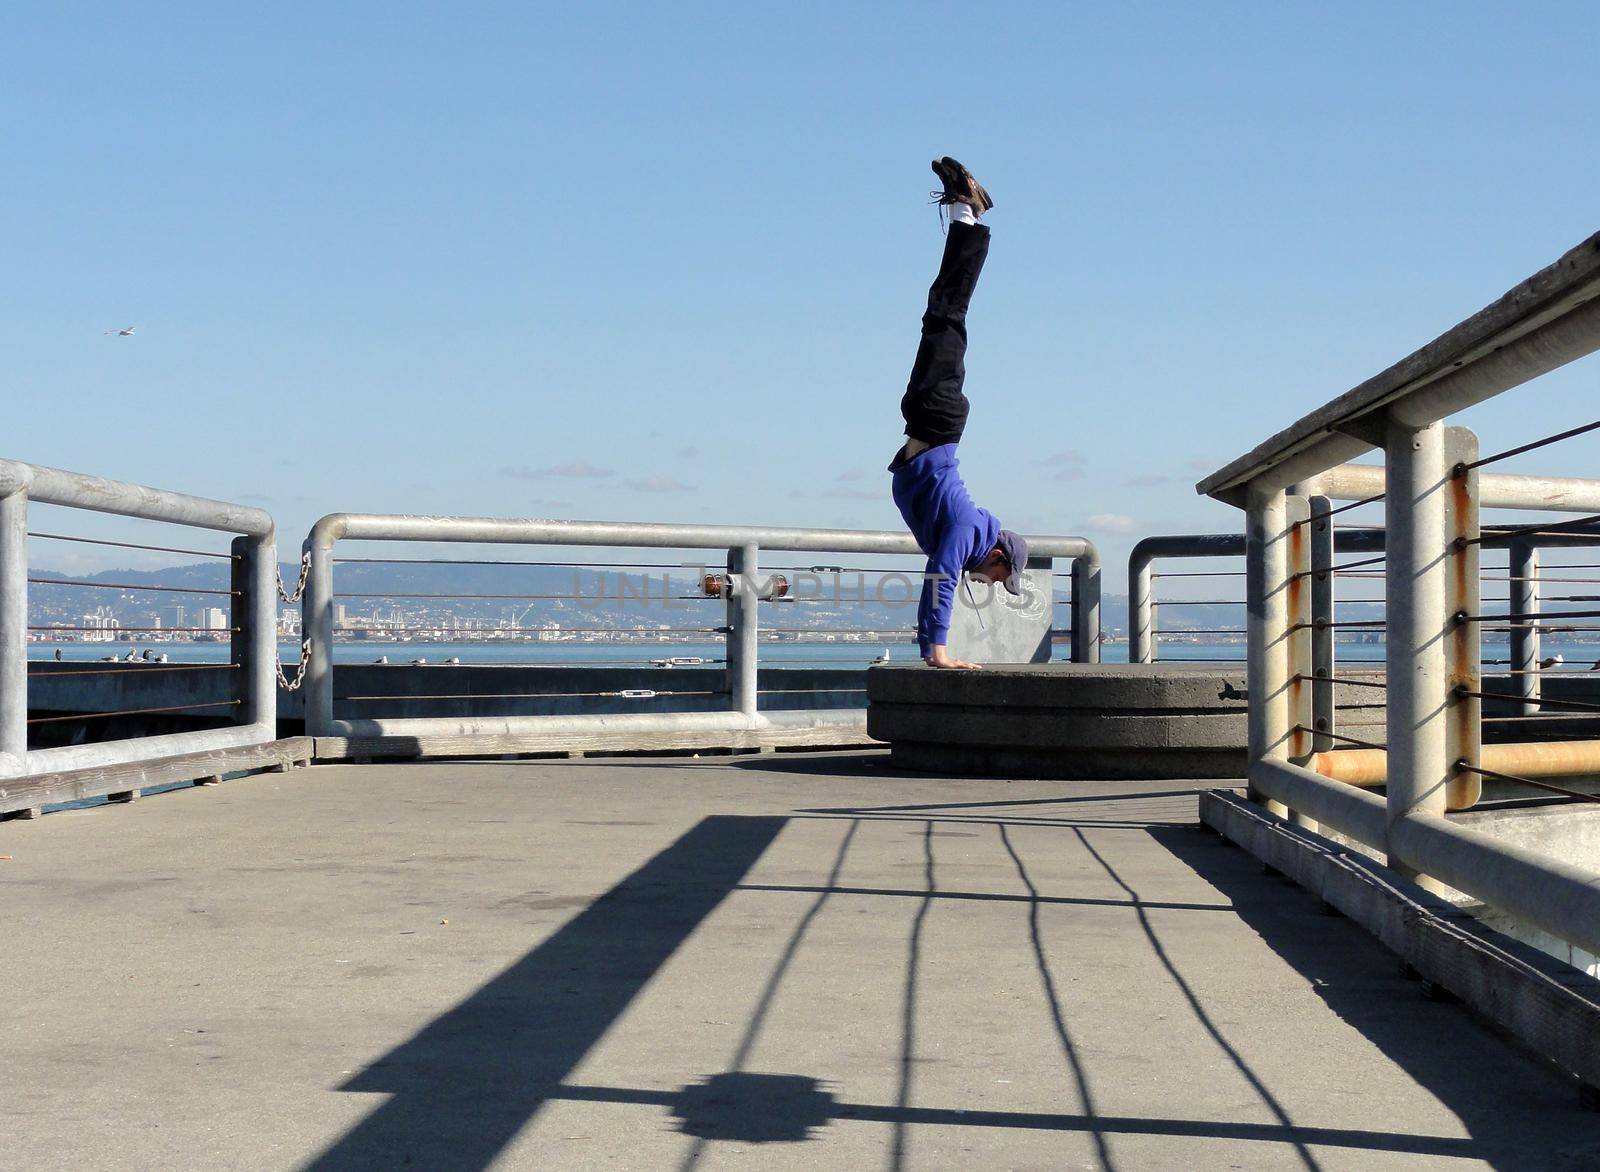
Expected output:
(110, 658)
(1555, 660)
(884, 658)
(418, 662)
(162, 658)
(381, 659)
(132, 655)
(454, 659)
(149, 655)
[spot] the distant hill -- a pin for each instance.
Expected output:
(645, 595)
(420, 592)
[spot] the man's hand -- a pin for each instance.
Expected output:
(939, 657)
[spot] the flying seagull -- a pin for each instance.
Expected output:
(123, 333)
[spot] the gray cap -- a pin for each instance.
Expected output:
(1015, 550)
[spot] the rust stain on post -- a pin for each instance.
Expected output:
(1299, 743)
(1463, 789)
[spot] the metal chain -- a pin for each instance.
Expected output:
(300, 586)
(287, 684)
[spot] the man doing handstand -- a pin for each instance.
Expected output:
(956, 534)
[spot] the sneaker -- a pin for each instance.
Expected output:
(960, 186)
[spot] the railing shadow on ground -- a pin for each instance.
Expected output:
(465, 1085)
(1101, 1126)
(1438, 1045)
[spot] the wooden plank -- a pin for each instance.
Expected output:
(1530, 303)
(1551, 1006)
(120, 781)
(445, 745)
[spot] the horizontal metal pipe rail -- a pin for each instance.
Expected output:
(1496, 490)
(743, 545)
(1432, 490)
(1144, 602)
(1370, 767)
(1562, 899)
(22, 483)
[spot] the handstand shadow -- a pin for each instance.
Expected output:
(471, 1079)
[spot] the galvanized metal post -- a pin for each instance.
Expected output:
(1267, 606)
(1086, 606)
(1463, 598)
(264, 633)
(1141, 608)
(1419, 627)
(1324, 709)
(13, 630)
(744, 629)
(316, 621)
(1298, 636)
(1525, 649)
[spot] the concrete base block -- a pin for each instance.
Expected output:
(1063, 720)
(1067, 764)
(1076, 720)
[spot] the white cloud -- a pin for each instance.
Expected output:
(576, 470)
(1067, 465)
(856, 494)
(1111, 523)
(660, 484)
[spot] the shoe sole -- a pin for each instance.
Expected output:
(946, 164)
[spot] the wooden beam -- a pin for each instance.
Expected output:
(123, 782)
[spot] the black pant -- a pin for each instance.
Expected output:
(934, 406)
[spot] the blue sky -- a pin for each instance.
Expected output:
(665, 262)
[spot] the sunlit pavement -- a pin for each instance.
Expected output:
(797, 961)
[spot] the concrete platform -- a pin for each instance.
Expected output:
(777, 961)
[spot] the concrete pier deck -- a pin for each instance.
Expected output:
(780, 961)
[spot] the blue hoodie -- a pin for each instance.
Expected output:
(955, 533)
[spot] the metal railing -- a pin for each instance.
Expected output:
(1144, 601)
(1530, 616)
(1432, 490)
(742, 546)
(28, 776)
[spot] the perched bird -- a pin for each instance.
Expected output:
(132, 655)
(381, 659)
(123, 333)
(884, 658)
(418, 662)
(108, 659)
(162, 658)
(454, 659)
(58, 656)
(1555, 660)
(149, 655)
